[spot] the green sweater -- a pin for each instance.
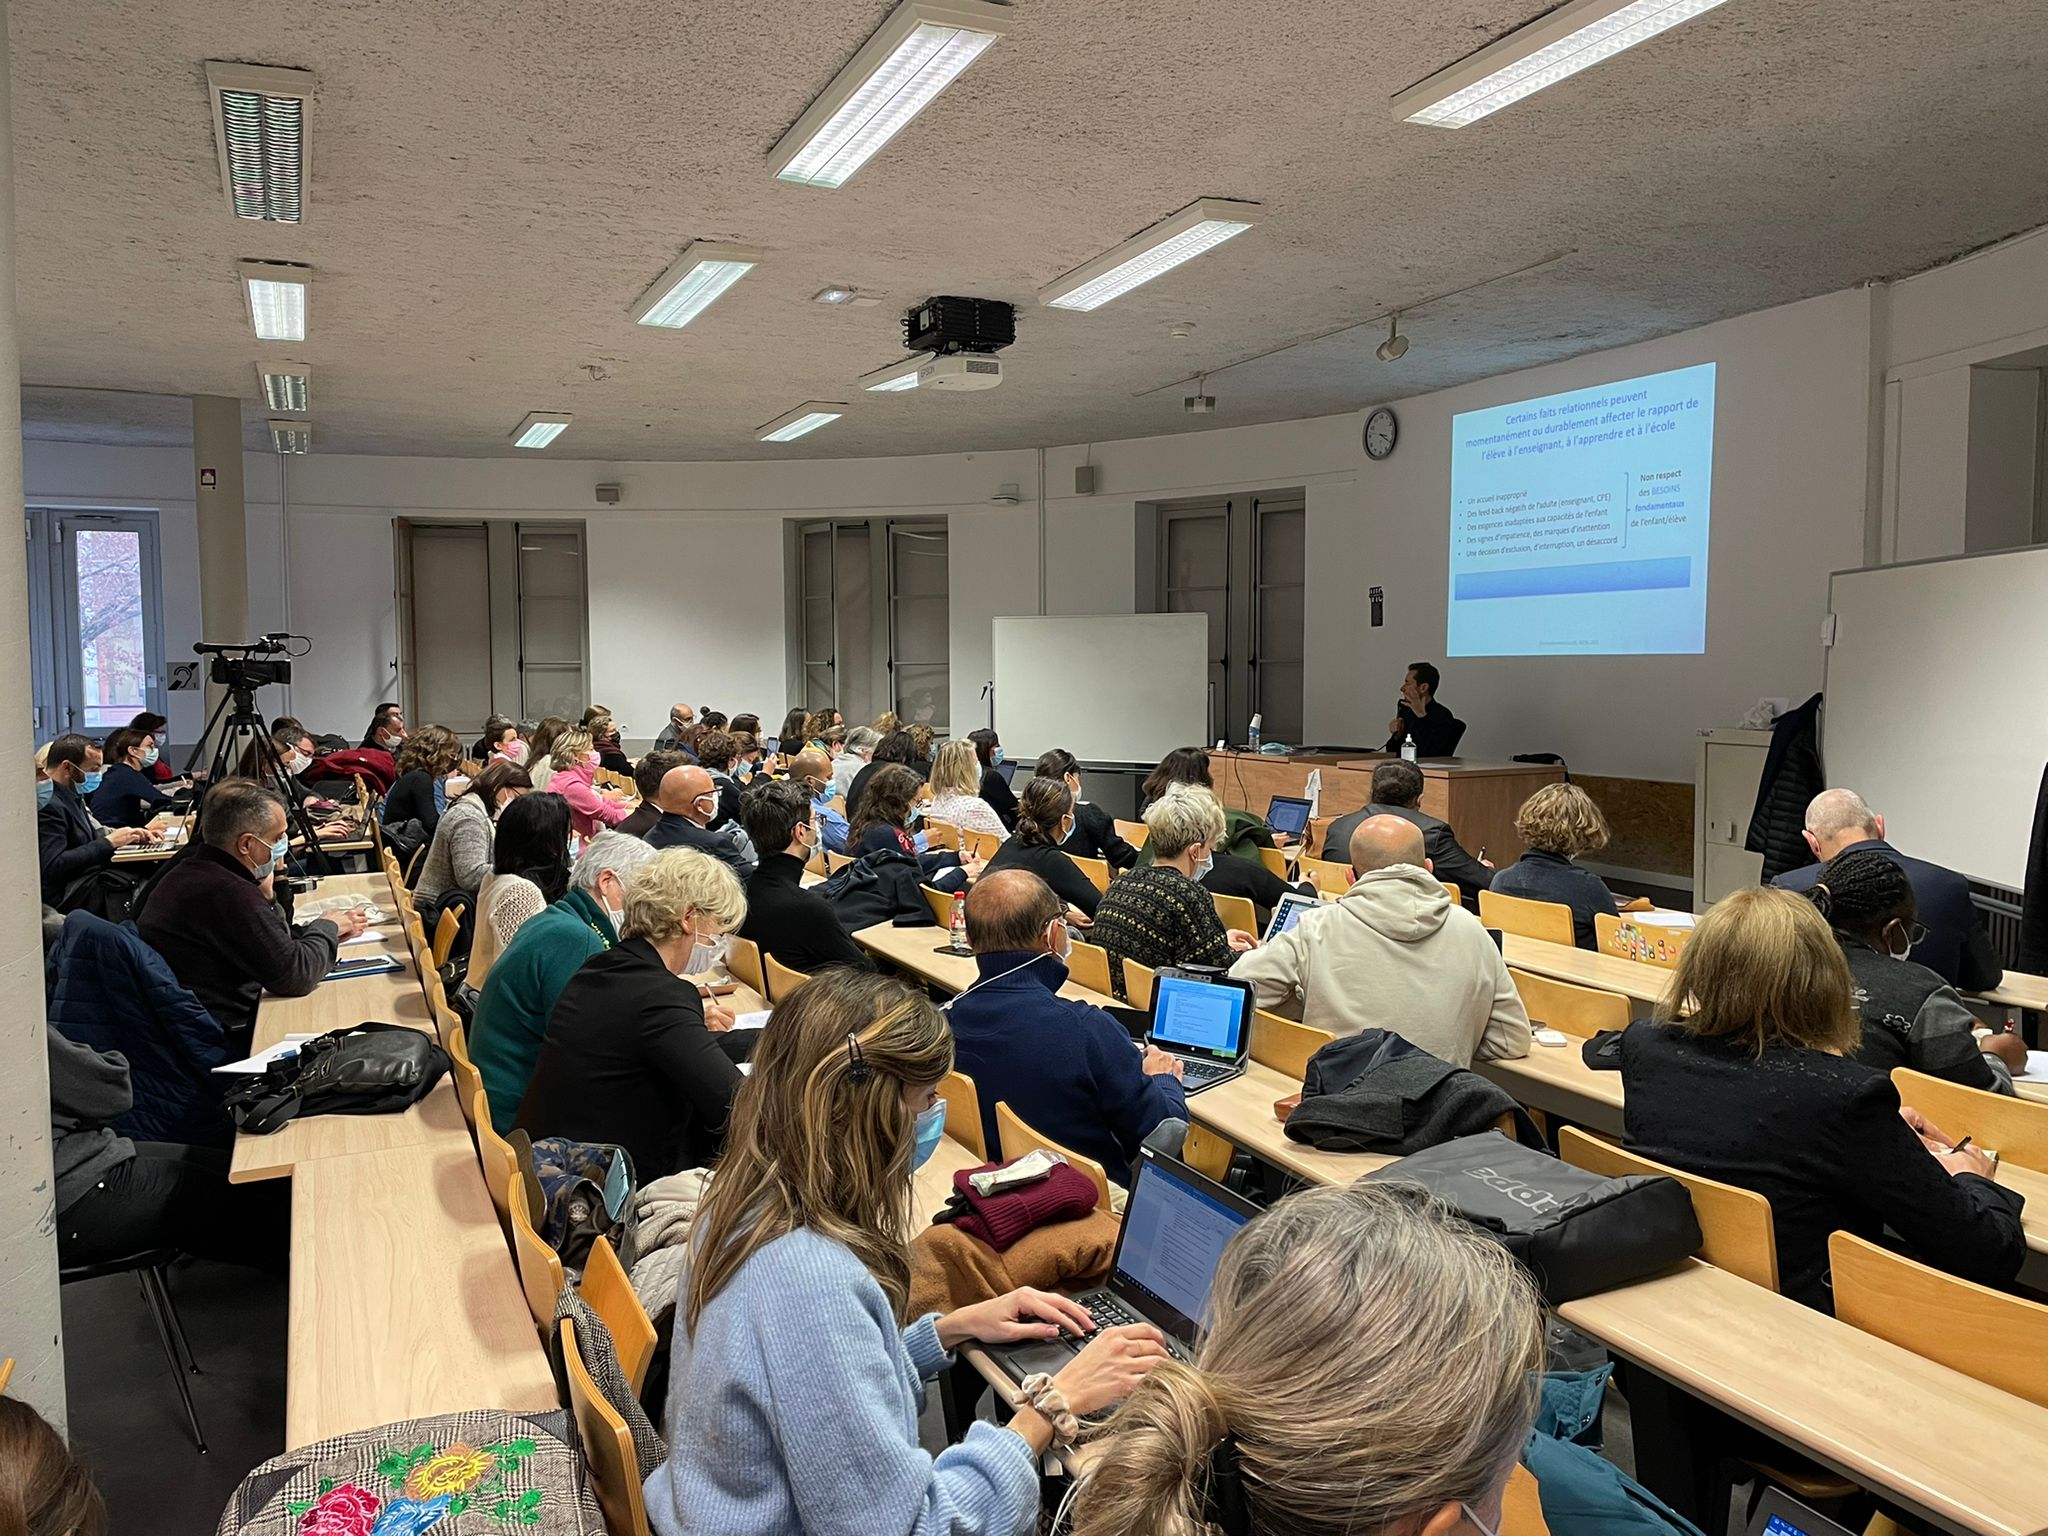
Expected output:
(519, 994)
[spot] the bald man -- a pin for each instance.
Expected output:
(680, 718)
(1395, 953)
(1956, 946)
(813, 770)
(688, 799)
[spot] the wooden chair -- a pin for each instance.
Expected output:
(436, 993)
(607, 1445)
(1550, 921)
(743, 959)
(1330, 877)
(782, 981)
(1567, 1006)
(1136, 833)
(540, 1267)
(1274, 860)
(1088, 966)
(608, 1291)
(446, 931)
(500, 1163)
(942, 834)
(469, 1082)
(941, 903)
(1208, 1153)
(1284, 1045)
(963, 1112)
(2016, 1129)
(1017, 1138)
(412, 865)
(1137, 983)
(6, 1374)
(1097, 870)
(815, 864)
(1735, 1224)
(1237, 912)
(978, 845)
(1645, 943)
(1451, 890)
(2000, 1340)
(835, 862)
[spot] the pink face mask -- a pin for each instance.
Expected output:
(592, 758)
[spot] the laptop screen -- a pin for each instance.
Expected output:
(1173, 1236)
(1289, 912)
(1200, 1018)
(1779, 1514)
(1008, 770)
(1288, 814)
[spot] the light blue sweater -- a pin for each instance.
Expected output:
(793, 1412)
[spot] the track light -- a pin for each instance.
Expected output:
(1395, 347)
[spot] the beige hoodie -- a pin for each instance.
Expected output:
(1396, 953)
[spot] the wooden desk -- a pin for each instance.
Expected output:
(1241, 1110)
(404, 1301)
(2018, 989)
(1477, 798)
(935, 1179)
(919, 951)
(1641, 984)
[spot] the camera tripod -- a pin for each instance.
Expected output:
(244, 738)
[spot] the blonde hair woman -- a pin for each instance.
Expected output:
(1559, 823)
(1160, 914)
(1752, 1082)
(634, 1055)
(798, 1375)
(956, 790)
(1368, 1369)
(574, 761)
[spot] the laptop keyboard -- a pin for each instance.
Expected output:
(1108, 1312)
(1194, 1072)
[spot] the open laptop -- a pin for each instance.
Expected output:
(1288, 816)
(1205, 1021)
(1779, 1514)
(1289, 912)
(1176, 1226)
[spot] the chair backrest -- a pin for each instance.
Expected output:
(979, 845)
(1088, 966)
(941, 903)
(835, 862)
(782, 981)
(1017, 1138)
(1097, 870)
(1735, 1224)
(1550, 921)
(436, 991)
(1565, 1005)
(2016, 1129)
(963, 1112)
(1451, 890)
(1330, 877)
(1136, 833)
(1650, 944)
(608, 1291)
(468, 1081)
(816, 862)
(1236, 912)
(1137, 983)
(607, 1445)
(540, 1267)
(447, 930)
(494, 1152)
(413, 864)
(1998, 1339)
(1284, 1045)
(942, 834)
(743, 959)
(1275, 861)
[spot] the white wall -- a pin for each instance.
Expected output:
(2005, 428)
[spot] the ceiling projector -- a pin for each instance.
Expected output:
(961, 371)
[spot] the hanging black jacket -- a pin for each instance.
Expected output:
(1792, 777)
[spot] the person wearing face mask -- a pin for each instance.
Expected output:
(648, 773)
(1911, 1017)
(798, 1372)
(633, 1055)
(808, 769)
(70, 843)
(689, 805)
(387, 729)
(460, 855)
(128, 795)
(1160, 914)
(681, 717)
(574, 779)
(796, 926)
(215, 919)
(530, 972)
(994, 788)
(1066, 1067)
(1045, 819)
(1094, 835)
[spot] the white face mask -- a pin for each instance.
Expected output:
(705, 954)
(298, 762)
(708, 812)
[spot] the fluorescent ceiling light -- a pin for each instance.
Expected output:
(259, 130)
(897, 377)
(540, 428)
(285, 386)
(919, 51)
(1553, 47)
(1199, 227)
(688, 288)
(276, 291)
(806, 418)
(291, 436)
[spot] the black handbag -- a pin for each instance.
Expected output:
(372, 1069)
(1575, 1232)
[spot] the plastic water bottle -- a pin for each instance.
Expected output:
(1408, 748)
(958, 924)
(1252, 733)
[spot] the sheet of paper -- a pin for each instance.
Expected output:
(1660, 919)
(367, 936)
(1313, 792)
(755, 1020)
(2037, 1068)
(264, 1058)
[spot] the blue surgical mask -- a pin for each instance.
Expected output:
(1202, 869)
(92, 782)
(995, 757)
(930, 1130)
(916, 815)
(278, 852)
(149, 758)
(44, 791)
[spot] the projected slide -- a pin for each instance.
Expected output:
(1579, 521)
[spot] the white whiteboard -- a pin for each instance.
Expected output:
(1937, 704)
(1110, 688)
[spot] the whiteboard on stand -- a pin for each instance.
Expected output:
(1109, 688)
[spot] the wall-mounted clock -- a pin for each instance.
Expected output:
(1382, 431)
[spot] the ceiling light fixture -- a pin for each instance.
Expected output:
(805, 419)
(259, 129)
(276, 291)
(897, 377)
(540, 428)
(291, 436)
(1201, 226)
(919, 51)
(1395, 347)
(285, 386)
(1553, 47)
(688, 288)
(836, 294)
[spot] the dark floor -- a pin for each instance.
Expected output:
(126, 1421)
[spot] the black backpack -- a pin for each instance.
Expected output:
(372, 1069)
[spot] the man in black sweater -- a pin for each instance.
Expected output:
(1436, 730)
(387, 729)
(68, 841)
(796, 926)
(215, 918)
(1397, 791)
(647, 776)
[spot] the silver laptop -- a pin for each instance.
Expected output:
(1203, 1020)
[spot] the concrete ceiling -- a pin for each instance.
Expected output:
(493, 184)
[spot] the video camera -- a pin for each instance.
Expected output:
(237, 667)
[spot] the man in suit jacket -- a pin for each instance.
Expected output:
(647, 776)
(68, 841)
(1955, 947)
(1397, 791)
(796, 926)
(689, 804)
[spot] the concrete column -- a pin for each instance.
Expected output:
(31, 1322)
(223, 524)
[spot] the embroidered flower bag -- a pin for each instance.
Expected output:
(481, 1473)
